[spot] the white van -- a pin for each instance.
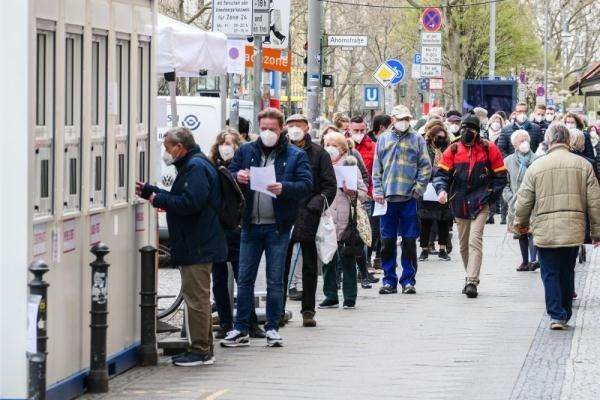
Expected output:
(202, 115)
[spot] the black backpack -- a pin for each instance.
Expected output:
(232, 202)
(351, 243)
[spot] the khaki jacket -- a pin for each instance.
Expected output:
(556, 193)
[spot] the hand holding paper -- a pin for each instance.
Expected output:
(347, 174)
(261, 178)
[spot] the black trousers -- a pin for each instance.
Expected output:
(310, 274)
(443, 229)
(221, 294)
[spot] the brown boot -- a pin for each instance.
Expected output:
(308, 319)
(377, 263)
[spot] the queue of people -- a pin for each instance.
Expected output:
(453, 173)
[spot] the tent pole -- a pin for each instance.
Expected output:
(223, 94)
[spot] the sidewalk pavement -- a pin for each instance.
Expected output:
(436, 344)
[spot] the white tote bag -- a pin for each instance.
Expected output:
(326, 238)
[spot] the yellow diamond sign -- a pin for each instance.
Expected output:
(384, 74)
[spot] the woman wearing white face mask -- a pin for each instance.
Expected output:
(337, 147)
(516, 165)
(494, 127)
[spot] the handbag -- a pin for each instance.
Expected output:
(326, 238)
(363, 224)
(351, 242)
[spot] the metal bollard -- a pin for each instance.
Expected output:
(148, 354)
(98, 376)
(37, 361)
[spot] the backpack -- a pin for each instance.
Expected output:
(485, 144)
(233, 202)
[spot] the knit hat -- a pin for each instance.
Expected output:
(470, 121)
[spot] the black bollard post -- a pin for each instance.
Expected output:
(148, 354)
(37, 360)
(98, 377)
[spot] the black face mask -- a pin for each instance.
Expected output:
(467, 137)
(440, 143)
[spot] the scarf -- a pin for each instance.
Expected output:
(437, 155)
(524, 161)
(494, 135)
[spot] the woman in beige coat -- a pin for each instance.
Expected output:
(337, 147)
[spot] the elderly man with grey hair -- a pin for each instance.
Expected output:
(557, 192)
(482, 114)
(197, 238)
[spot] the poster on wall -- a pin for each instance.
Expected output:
(40, 238)
(69, 244)
(95, 229)
(140, 226)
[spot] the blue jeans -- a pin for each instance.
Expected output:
(558, 274)
(256, 239)
(400, 220)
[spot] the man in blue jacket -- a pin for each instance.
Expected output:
(521, 122)
(197, 239)
(267, 221)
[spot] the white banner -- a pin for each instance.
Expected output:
(236, 56)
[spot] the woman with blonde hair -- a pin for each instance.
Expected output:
(341, 210)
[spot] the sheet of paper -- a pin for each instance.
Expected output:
(380, 209)
(69, 242)
(32, 314)
(347, 173)
(430, 194)
(40, 236)
(261, 177)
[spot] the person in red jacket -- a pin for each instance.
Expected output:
(473, 171)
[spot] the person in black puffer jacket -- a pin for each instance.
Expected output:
(309, 214)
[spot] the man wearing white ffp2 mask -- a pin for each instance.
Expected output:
(521, 122)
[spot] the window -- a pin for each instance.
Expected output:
(95, 82)
(143, 109)
(98, 175)
(44, 118)
(99, 98)
(73, 118)
(122, 72)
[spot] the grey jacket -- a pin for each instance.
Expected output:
(515, 177)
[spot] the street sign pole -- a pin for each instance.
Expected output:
(313, 76)
(257, 94)
(419, 107)
(492, 67)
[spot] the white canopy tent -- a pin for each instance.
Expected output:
(184, 50)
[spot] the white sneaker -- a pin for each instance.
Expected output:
(556, 325)
(235, 338)
(273, 338)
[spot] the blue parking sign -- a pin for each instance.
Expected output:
(417, 59)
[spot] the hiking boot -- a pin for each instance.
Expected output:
(256, 332)
(471, 290)
(192, 359)
(235, 338)
(327, 303)
(523, 267)
(409, 289)
(442, 255)
(273, 338)
(308, 319)
(372, 279)
(349, 304)
(534, 265)
(365, 283)
(387, 289)
(377, 263)
(424, 255)
(295, 294)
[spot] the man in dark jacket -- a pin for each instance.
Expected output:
(197, 239)
(521, 122)
(473, 171)
(267, 220)
(309, 214)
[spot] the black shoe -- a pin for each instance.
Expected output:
(387, 289)
(295, 294)
(329, 304)
(471, 290)
(365, 284)
(523, 267)
(503, 221)
(349, 304)
(222, 332)
(424, 255)
(490, 220)
(442, 255)
(191, 359)
(371, 278)
(516, 236)
(534, 265)
(377, 263)
(235, 338)
(409, 289)
(256, 332)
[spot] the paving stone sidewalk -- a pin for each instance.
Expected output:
(436, 344)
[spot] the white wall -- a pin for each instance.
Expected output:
(15, 122)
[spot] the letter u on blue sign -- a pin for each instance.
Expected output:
(371, 94)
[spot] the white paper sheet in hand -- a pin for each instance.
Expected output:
(430, 194)
(348, 173)
(261, 177)
(380, 209)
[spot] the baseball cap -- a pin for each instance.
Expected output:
(400, 112)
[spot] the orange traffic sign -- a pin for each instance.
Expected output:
(273, 59)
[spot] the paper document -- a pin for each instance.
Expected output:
(261, 177)
(347, 173)
(32, 323)
(380, 209)
(430, 194)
